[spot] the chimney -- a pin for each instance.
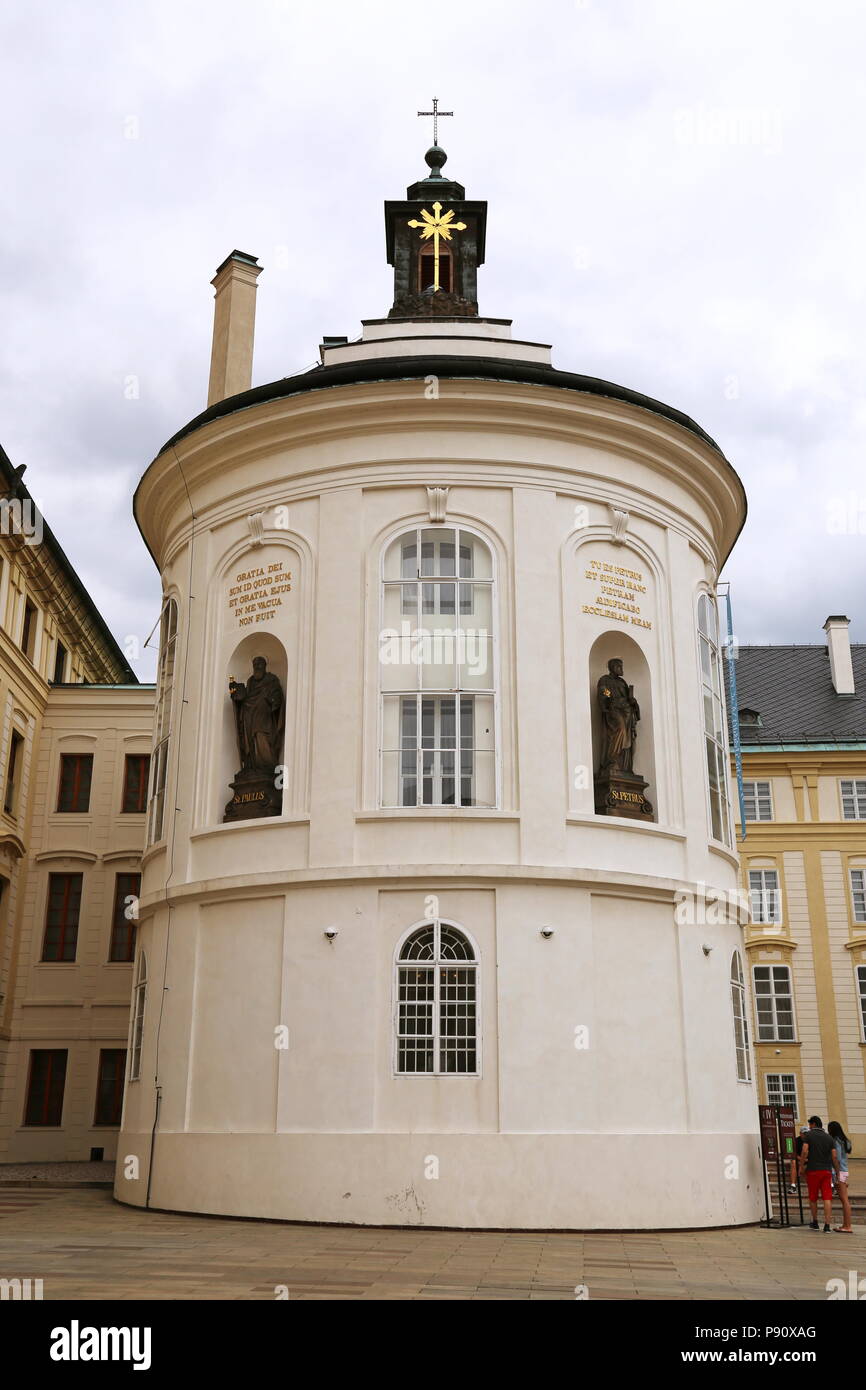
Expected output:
(234, 319)
(839, 647)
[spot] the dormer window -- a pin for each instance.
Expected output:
(752, 717)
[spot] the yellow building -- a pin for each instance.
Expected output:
(803, 731)
(75, 733)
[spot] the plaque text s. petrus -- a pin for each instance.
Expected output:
(618, 591)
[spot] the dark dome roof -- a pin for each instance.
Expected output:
(445, 367)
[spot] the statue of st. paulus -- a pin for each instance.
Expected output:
(259, 708)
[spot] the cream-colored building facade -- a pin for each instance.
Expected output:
(804, 866)
(71, 712)
(440, 986)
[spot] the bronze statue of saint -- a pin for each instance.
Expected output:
(620, 713)
(260, 715)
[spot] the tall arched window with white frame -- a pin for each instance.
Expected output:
(715, 734)
(138, 1006)
(436, 1002)
(162, 722)
(437, 678)
(741, 1022)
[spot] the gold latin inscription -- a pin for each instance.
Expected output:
(257, 593)
(618, 593)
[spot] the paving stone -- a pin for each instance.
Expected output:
(85, 1246)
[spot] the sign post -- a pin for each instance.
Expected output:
(788, 1145)
(777, 1144)
(767, 1124)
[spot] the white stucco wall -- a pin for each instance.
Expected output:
(233, 916)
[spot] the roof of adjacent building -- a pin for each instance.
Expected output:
(791, 689)
(11, 483)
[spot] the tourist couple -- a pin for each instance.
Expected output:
(824, 1152)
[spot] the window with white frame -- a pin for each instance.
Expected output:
(741, 1024)
(162, 723)
(765, 895)
(861, 990)
(715, 735)
(436, 1003)
(138, 1007)
(853, 798)
(774, 1003)
(437, 680)
(758, 801)
(858, 894)
(782, 1089)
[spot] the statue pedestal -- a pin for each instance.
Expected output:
(255, 795)
(622, 794)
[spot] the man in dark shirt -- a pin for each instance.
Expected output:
(795, 1161)
(817, 1159)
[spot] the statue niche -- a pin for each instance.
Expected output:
(619, 790)
(260, 717)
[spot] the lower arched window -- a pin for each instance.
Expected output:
(162, 721)
(436, 1014)
(138, 1005)
(741, 1024)
(715, 733)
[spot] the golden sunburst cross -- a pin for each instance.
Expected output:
(437, 225)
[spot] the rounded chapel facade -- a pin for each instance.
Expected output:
(449, 979)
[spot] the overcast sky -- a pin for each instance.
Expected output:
(676, 193)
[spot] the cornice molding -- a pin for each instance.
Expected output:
(821, 762)
(804, 834)
(116, 855)
(85, 856)
(270, 884)
(769, 943)
(272, 429)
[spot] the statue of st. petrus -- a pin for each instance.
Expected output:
(620, 713)
(260, 714)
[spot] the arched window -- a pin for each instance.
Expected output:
(437, 1026)
(162, 723)
(138, 1018)
(427, 268)
(437, 670)
(715, 734)
(741, 1025)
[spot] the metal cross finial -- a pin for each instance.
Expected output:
(435, 113)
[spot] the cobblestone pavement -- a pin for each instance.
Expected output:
(84, 1245)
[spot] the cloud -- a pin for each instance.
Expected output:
(672, 204)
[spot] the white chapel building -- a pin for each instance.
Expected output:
(412, 945)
